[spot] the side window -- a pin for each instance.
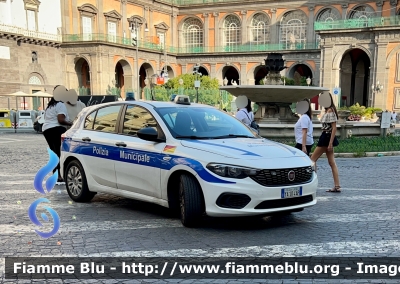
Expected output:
(89, 121)
(137, 118)
(106, 119)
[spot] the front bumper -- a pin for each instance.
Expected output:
(263, 200)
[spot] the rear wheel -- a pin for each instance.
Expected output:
(75, 180)
(191, 201)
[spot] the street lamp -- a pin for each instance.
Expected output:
(308, 80)
(134, 28)
(197, 81)
(377, 88)
(180, 86)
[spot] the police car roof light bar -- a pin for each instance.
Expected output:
(182, 100)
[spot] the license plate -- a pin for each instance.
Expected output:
(291, 192)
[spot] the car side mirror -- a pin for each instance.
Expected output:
(149, 134)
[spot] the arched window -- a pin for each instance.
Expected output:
(34, 80)
(328, 15)
(361, 13)
(232, 31)
(293, 30)
(259, 29)
(192, 33)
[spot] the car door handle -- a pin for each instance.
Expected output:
(120, 144)
(86, 139)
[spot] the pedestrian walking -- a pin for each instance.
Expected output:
(303, 131)
(327, 141)
(56, 121)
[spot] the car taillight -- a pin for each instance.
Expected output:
(62, 137)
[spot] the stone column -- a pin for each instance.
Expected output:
(213, 70)
(310, 28)
(206, 29)
(184, 68)
(174, 30)
(65, 17)
(216, 29)
(151, 22)
(243, 73)
(274, 31)
(393, 6)
(379, 98)
(101, 27)
(75, 17)
(124, 22)
(244, 26)
(379, 5)
(344, 10)
(326, 66)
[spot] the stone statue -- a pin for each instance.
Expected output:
(34, 57)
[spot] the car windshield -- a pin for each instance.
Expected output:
(203, 123)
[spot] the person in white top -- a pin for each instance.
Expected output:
(56, 121)
(394, 117)
(303, 131)
(246, 114)
(74, 108)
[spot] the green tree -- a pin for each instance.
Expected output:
(188, 82)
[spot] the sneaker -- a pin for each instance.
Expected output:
(60, 181)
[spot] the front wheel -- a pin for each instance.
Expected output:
(191, 201)
(75, 180)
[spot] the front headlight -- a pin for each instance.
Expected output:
(232, 171)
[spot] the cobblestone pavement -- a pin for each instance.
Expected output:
(361, 221)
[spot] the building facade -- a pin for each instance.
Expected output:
(30, 54)
(126, 44)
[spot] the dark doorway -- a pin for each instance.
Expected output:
(259, 74)
(231, 74)
(119, 76)
(354, 78)
(299, 73)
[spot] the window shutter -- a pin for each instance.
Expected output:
(112, 31)
(87, 28)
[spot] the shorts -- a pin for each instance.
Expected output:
(300, 147)
(325, 138)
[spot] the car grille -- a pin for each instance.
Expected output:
(280, 177)
(233, 200)
(279, 203)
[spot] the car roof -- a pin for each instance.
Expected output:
(154, 104)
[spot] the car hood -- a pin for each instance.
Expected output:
(244, 148)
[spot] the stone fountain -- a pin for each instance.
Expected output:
(274, 98)
(275, 116)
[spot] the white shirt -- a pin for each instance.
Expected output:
(244, 116)
(74, 110)
(394, 116)
(304, 122)
(51, 114)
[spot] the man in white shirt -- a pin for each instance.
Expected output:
(394, 117)
(74, 106)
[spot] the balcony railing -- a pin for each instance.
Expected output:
(189, 50)
(358, 23)
(29, 33)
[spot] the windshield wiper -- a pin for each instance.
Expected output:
(232, 136)
(192, 137)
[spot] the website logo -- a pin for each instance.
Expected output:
(38, 185)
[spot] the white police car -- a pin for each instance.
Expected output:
(183, 156)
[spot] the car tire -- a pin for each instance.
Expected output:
(76, 183)
(191, 201)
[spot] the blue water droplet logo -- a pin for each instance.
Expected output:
(34, 219)
(43, 172)
(50, 183)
